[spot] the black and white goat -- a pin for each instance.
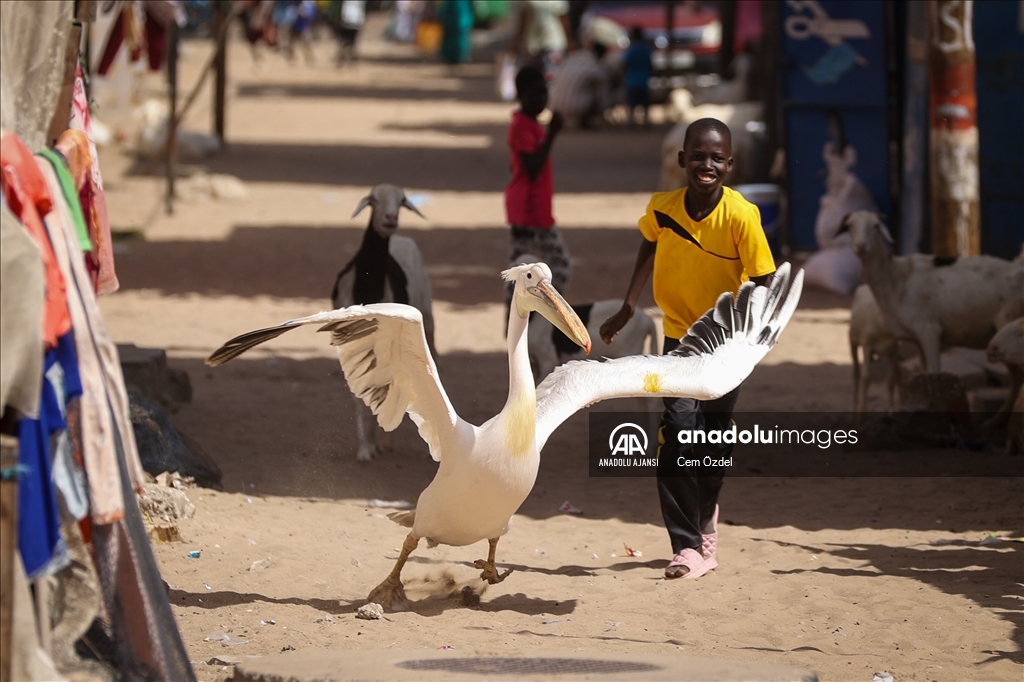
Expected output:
(388, 268)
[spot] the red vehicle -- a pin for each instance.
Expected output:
(696, 28)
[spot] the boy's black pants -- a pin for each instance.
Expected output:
(688, 495)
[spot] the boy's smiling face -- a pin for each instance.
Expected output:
(707, 159)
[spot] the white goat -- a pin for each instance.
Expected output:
(388, 268)
(934, 301)
(550, 348)
(869, 331)
(736, 116)
(1007, 347)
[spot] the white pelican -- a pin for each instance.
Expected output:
(486, 471)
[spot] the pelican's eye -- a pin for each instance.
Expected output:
(529, 275)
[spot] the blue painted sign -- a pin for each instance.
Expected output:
(833, 93)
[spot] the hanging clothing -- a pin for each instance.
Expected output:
(70, 193)
(21, 325)
(94, 201)
(29, 199)
(134, 612)
(39, 539)
(104, 404)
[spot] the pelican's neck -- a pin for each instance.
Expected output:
(521, 409)
(520, 375)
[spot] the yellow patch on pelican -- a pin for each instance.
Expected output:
(652, 383)
(521, 425)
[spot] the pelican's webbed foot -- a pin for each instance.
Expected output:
(390, 594)
(490, 573)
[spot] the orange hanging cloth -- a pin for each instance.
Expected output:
(29, 198)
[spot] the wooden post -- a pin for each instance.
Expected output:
(172, 118)
(954, 129)
(220, 21)
(8, 541)
(726, 52)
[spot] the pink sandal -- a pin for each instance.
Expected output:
(690, 559)
(709, 541)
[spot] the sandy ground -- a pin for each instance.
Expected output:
(843, 576)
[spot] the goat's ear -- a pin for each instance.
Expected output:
(844, 224)
(363, 203)
(412, 207)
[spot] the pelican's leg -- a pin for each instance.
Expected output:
(490, 573)
(391, 591)
(365, 432)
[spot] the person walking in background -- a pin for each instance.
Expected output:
(542, 33)
(699, 241)
(637, 68)
(406, 19)
(347, 18)
(581, 90)
(456, 17)
(528, 197)
(302, 30)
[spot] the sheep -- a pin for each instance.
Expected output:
(1007, 347)
(388, 268)
(549, 347)
(868, 331)
(934, 301)
(744, 138)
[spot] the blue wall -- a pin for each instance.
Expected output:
(999, 45)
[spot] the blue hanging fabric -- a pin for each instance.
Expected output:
(39, 539)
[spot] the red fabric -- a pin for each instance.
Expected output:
(528, 202)
(114, 41)
(91, 196)
(156, 43)
(29, 198)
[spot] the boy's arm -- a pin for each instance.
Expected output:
(533, 162)
(762, 280)
(641, 271)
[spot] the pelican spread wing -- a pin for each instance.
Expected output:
(718, 352)
(384, 356)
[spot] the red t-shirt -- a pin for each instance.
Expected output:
(528, 202)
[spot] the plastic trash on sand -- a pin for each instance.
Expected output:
(631, 551)
(567, 508)
(883, 676)
(225, 639)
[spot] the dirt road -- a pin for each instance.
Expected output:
(843, 576)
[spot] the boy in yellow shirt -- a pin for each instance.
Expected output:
(699, 241)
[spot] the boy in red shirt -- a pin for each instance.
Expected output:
(529, 193)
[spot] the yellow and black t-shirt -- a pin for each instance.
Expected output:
(697, 261)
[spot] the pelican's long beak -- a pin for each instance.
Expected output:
(552, 306)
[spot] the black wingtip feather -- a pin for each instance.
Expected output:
(238, 345)
(731, 317)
